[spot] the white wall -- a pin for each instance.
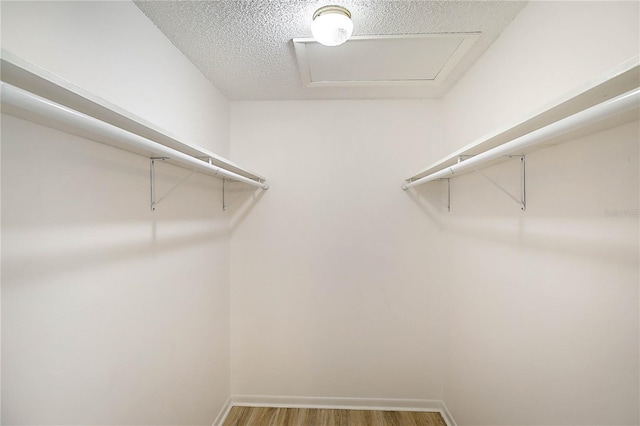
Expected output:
(343, 285)
(542, 317)
(542, 309)
(549, 48)
(115, 52)
(335, 287)
(111, 314)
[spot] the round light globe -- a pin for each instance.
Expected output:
(332, 25)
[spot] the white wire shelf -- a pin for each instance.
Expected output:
(612, 100)
(35, 94)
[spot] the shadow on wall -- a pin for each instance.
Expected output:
(430, 199)
(72, 204)
(561, 236)
(54, 177)
(240, 199)
(86, 257)
(570, 210)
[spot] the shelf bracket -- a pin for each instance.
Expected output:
(461, 158)
(224, 182)
(448, 194)
(154, 200)
(522, 201)
(224, 204)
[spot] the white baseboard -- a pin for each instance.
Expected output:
(222, 415)
(432, 405)
(446, 414)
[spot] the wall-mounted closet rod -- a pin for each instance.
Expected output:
(30, 102)
(602, 111)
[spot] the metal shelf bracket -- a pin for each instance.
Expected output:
(154, 200)
(449, 194)
(522, 201)
(224, 183)
(224, 204)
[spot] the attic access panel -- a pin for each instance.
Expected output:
(404, 60)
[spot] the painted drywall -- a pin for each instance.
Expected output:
(115, 52)
(339, 278)
(335, 284)
(550, 48)
(344, 285)
(542, 313)
(542, 308)
(111, 313)
(0, 254)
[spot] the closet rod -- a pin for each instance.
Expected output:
(602, 111)
(32, 103)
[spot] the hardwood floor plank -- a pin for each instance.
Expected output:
(272, 416)
(236, 416)
(360, 417)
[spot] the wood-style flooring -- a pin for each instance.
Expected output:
(272, 416)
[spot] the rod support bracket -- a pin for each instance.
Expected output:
(448, 194)
(154, 200)
(461, 158)
(522, 200)
(224, 204)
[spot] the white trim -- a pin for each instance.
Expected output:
(303, 63)
(446, 414)
(429, 405)
(467, 40)
(224, 412)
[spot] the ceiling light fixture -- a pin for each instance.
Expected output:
(332, 25)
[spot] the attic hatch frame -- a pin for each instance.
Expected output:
(32, 93)
(609, 101)
(465, 41)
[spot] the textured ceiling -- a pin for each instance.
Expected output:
(245, 47)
